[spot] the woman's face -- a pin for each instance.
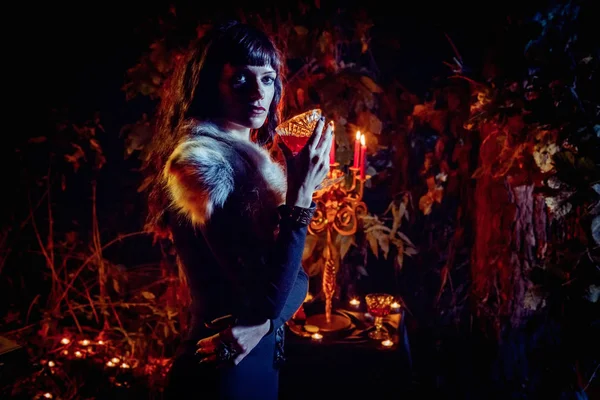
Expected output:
(246, 94)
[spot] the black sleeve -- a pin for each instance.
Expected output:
(269, 295)
(294, 301)
(264, 283)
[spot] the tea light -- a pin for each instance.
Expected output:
(85, 342)
(355, 302)
(51, 364)
(110, 364)
(101, 342)
(125, 365)
(48, 395)
(65, 341)
(78, 354)
(115, 360)
(395, 306)
(387, 343)
(316, 336)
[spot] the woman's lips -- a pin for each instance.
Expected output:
(257, 110)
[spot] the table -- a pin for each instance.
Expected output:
(347, 367)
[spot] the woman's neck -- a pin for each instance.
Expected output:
(240, 132)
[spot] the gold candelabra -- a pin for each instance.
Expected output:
(339, 207)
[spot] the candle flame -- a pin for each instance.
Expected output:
(395, 305)
(317, 336)
(51, 363)
(355, 302)
(115, 360)
(362, 139)
(65, 341)
(387, 343)
(357, 135)
(125, 365)
(110, 364)
(85, 342)
(78, 354)
(48, 395)
(100, 342)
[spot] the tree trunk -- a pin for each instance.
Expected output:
(510, 235)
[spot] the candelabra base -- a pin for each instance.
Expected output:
(338, 323)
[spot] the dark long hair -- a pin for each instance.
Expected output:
(192, 92)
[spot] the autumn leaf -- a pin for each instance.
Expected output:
(309, 246)
(325, 42)
(345, 242)
(372, 239)
(315, 268)
(116, 285)
(362, 270)
(425, 203)
(76, 156)
(434, 193)
(137, 135)
(384, 244)
(399, 258)
(148, 295)
(370, 84)
(369, 122)
(410, 251)
(301, 30)
(405, 238)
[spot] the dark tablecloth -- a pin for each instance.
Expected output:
(349, 366)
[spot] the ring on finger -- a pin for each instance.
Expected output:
(225, 352)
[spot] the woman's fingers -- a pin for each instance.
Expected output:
(328, 141)
(202, 351)
(315, 138)
(209, 342)
(209, 359)
(325, 138)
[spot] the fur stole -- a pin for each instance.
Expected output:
(212, 171)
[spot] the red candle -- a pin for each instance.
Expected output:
(363, 156)
(357, 150)
(332, 152)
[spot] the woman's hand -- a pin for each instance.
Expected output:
(233, 344)
(309, 167)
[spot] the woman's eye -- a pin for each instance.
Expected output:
(239, 79)
(268, 80)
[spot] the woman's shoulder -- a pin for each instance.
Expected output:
(200, 172)
(209, 165)
(202, 133)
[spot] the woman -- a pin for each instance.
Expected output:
(238, 219)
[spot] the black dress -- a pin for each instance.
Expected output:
(239, 257)
(253, 287)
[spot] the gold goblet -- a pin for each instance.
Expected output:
(296, 131)
(379, 305)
